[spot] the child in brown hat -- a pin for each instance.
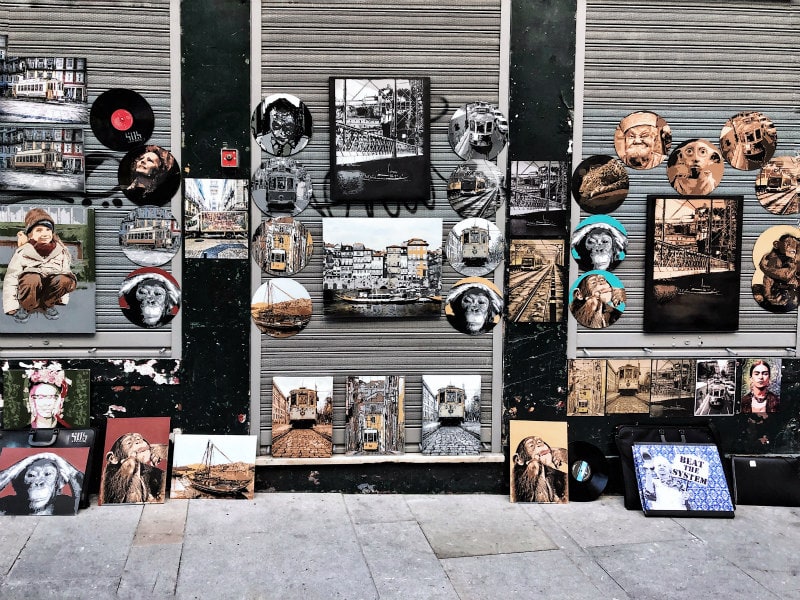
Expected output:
(38, 275)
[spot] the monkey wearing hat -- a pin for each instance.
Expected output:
(39, 277)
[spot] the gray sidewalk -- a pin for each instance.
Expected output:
(406, 547)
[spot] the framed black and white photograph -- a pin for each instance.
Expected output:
(281, 124)
(44, 90)
(715, 388)
(475, 247)
(478, 130)
(380, 139)
(539, 197)
(451, 414)
(672, 387)
(44, 158)
(215, 218)
(281, 246)
(382, 268)
(475, 189)
(536, 281)
(692, 264)
(281, 187)
(150, 236)
(586, 392)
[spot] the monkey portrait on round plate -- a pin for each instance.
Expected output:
(600, 242)
(149, 297)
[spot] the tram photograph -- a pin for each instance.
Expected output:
(302, 417)
(475, 247)
(281, 187)
(451, 414)
(627, 386)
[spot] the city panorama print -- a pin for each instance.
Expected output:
(382, 268)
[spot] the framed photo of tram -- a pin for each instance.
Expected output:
(302, 417)
(380, 145)
(451, 415)
(382, 268)
(692, 264)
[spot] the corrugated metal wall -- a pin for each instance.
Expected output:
(696, 64)
(457, 45)
(126, 44)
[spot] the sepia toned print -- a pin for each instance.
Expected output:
(778, 185)
(775, 280)
(451, 414)
(214, 467)
(600, 184)
(597, 299)
(748, 140)
(375, 407)
(642, 140)
(627, 386)
(692, 264)
(695, 167)
(536, 281)
(586, 395)
(302, 417)
(672, 388)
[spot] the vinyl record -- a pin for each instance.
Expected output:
(588, 471)
(149, 175)
(121, 119)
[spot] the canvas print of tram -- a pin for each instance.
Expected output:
(382, 268)
(214, 466)
(451, 414)
(475, 189)
(475, 247)
(627, 390)
(672, 387)
(215, 218)
(43, 158)
(539, 197)
(375, 407)
(586, 393)
(539, 464)
(692, 266)
(380, 145)
(302, 417)
(135, 453)
(149, 236)
(536, 281)
(69, 303)
(715, 393)
(44, 90)
(281, 246)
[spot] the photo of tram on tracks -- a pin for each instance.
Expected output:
(302, 417)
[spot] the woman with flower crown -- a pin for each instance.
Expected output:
(48, 389)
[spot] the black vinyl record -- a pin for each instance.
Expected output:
(121, 119)
(588, 471)
(149, 175)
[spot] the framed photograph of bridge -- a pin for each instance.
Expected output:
(380, 145)
(692, 264)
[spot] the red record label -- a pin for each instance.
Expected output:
(121, 119)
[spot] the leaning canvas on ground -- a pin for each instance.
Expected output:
(45, 396)
(135, 459)
(451, 414)
(214, 466)
(682, 480)
(42, 481)
(302, 417)
(539, 461)
(375, 407)
(47, 269)
(379, 145)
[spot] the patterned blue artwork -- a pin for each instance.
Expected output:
(682, 480)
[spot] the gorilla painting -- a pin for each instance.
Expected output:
(131, 473)
(149, 297)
